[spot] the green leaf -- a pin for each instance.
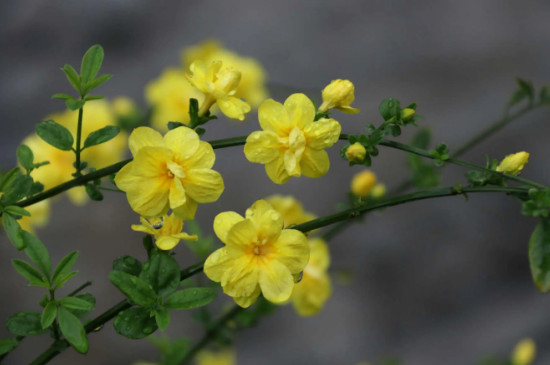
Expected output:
(97, 82)
(390, 108)
(91, 63)
(63, 279)
(190, 298)
(94, 97)
(171, 352)
(15, 210)
(25, 324)
(128, 264)
(162, 272)
(25, 157)
(36, 188)
(72, 76)
(15, 234)
(101, 136)
(162, 317)
(29, 272)
(48, 315)
(135, 289)
(63, 267)
(62, 96)
(539, 255)
(93, 192)
(19, 187)
(7, 345)
(73, 330)
(527, 88)
(135, 323)
(38, 253)
(8, 178)
(91, 304)
(55, 135)
(174, 125)
(76, 303)
(74, 104)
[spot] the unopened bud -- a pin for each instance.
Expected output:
(513, 164)
(524, 352)
(362, 183)
(378, 191)
(356, 153)
(407, 114)
(339, 94)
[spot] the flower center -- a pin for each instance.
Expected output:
(175, 170)
(261, 247)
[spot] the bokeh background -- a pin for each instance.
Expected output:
(445, 281)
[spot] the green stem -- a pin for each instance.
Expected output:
(55, 327)
(78, 140)
(79, 289)
(211, 333)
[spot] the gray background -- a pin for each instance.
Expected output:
(434, 282)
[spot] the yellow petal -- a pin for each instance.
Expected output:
(186, 236)
(223, 223)
(262, 147)
(203, 157)
(348, 109)
(267, 220)
(241, 279)
(166, 242)
(183, 141)
(310, 294)
(314, 163)
(217, 263)
(242, 234)
(276, 282)
(233, 107)
(247, 301)
(292, 250)
(323, 133)
(186, 211)
(273, 117)
(199, 75)
(142, 228)
(276, 171)
(319, 255)
(144, 137)
(78, 195)
(292, 165)
(204, 185)
(177, 195)
(300, 109)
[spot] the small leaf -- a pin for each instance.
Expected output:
(101, 136)
(91, 304)
(76, 303)
(29, 272)
(134, 288)
(135, 323)
(38, 253)
(63, 267)
(74, 104)
(190, 298)
(19, 187)
(62, 96)
(25, 157)
(162, 317)
(16, 210)
(72, 76)
(48, 315)
(36, 188)
(390, 108)
(15, 234)
(55, 135)
(91, 63)
(162, 272)
(95, 83)
(8, 178)
(539, 255)
(7, 345)
(94, 97)
(63, 279)
(93, 192)
(128, 264)
(73, 330)
(527, 88)
(174, 125)
(25, 324)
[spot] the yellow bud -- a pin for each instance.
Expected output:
(356, 152)
(339, 94)
(363, 183)
(524, 352)
(378, 191)
(407, 114)
(513, 164)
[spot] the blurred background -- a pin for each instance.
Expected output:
(442, 281)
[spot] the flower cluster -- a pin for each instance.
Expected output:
(166, 230)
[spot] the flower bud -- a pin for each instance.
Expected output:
(378, 191)
(339, 94)
(407, 114)
(524, 352)
(513, 164)
(363, 183)
(356, 153)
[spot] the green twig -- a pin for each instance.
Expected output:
(78, 140)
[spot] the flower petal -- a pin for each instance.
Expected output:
(204, 185)
(242, 234)
(203, 157)
(167, 242)
(186, 211)
(177, 195)
(322, 134)
(142, 228)
(314, 163)
(144, 137)
(276, 171)
(183, 141)
(223, 223)
(292, 249)
(233, 107)
(267, 220)
(319, 255)
(217, 264)
(276, 282)
(310, 294)
(273, 117)
(241, 279)
(300, 109)
(262, 147)
(247, 301)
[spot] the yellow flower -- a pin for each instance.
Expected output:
(356, 153)
(339, 94)
(513, 164)
(291, 143)
(166, 229)
(225, 357)
(123, 106)
(219, 85)
(40, 215)
(311, 293)
(169, 96)
(252, 86)
(363, 183)
(259, 256)
(524, 353)
(291, 209)
(97, 114)
(173, 172)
